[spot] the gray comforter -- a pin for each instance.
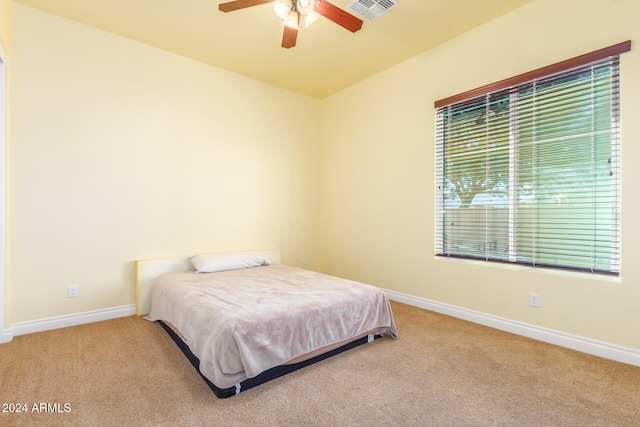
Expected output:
(240, 323)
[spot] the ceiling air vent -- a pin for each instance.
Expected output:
(372, 9)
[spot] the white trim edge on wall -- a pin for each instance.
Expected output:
(47, 324)
(4, 142)
(574, 342)
(6, 335)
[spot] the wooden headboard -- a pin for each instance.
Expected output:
(148, 269)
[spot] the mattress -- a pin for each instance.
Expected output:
(242, 323)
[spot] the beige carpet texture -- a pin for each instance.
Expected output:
(441, 371)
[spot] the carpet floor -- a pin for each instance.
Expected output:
(441, 371)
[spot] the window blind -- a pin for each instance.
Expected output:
(530, 173)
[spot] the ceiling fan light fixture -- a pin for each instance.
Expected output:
(305, 7)
(291, 20)
(282, 8)
(310, 18)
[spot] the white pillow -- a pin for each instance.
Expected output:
(211, 263)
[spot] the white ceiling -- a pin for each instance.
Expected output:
(326, 59)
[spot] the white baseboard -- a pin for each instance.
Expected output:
(6, 335)
(574, 342)
(41, 325)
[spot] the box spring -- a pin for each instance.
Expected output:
(265, 376)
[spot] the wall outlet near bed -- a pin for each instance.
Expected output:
(72, 291)
(534, 300)
(303, 263)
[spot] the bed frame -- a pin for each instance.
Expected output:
(147, 270)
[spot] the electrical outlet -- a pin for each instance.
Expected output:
(72, 291)
(303, 263)
(534, 300)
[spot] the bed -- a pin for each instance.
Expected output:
(243, 318)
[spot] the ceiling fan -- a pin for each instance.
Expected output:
(290, 12)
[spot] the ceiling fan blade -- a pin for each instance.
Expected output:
(289, 37)
(339, 16)
(240, 4)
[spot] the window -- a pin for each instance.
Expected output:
(528, 169)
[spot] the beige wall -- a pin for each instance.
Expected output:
(379, 184)
(6, 25)
(122, 151)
